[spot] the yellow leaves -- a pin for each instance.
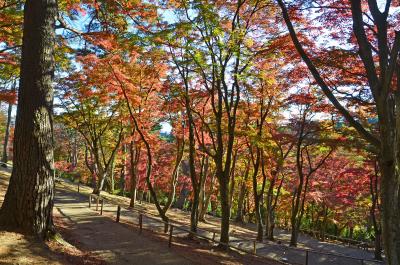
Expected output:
(248, 42)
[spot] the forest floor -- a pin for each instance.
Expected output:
(243, 236)
(89, 238)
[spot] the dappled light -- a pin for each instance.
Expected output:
(200, 132)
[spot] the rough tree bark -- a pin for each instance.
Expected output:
(28, 203)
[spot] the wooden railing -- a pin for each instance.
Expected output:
(172, 226)
(360, 244)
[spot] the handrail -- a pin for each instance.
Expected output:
(342, 239)
(176, 226)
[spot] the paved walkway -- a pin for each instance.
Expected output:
(243, 237)
(113, 242)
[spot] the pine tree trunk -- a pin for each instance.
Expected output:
(28, 203)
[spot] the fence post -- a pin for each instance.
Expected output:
(140, 222)
(213, 236)
(171, 228)
(362, 262)
(101, 208)
(79, 183)
(90, 200)
(118, 213)
(165, 227)
(255, 247)
(306, 257)
(97, 203)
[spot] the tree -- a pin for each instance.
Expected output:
(95, 114)
(308, 134)
(378, 45)
(28, 203)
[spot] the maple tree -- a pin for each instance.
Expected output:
(377, 43)
(256, 132)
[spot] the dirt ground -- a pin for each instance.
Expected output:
(18, 249)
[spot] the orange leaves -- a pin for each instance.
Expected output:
(8, 96)
(302, 99)
(103, 39)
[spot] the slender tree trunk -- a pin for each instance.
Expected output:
(256, 195)
(242, 193)
(225, 208)
(232, 182)
(123, 170)
(202, 192)
(7, 134)
(204, 210)
(28, 203)
(112, 176)
(175, 174)
(324, 223)
(134, 155)
(74, 151)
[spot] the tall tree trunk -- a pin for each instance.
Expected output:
(74, 155)
(242, 193)
(270, 211)
(175, 174)
(225, 207)
(7, 134)
(123, 170)
(390, 185)
(232, 183)
(208, 194)
(134, 155)
(256, 195)
(28, 203)
(112, 176)
(202, 191)
(375, 207)
(324, 223)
